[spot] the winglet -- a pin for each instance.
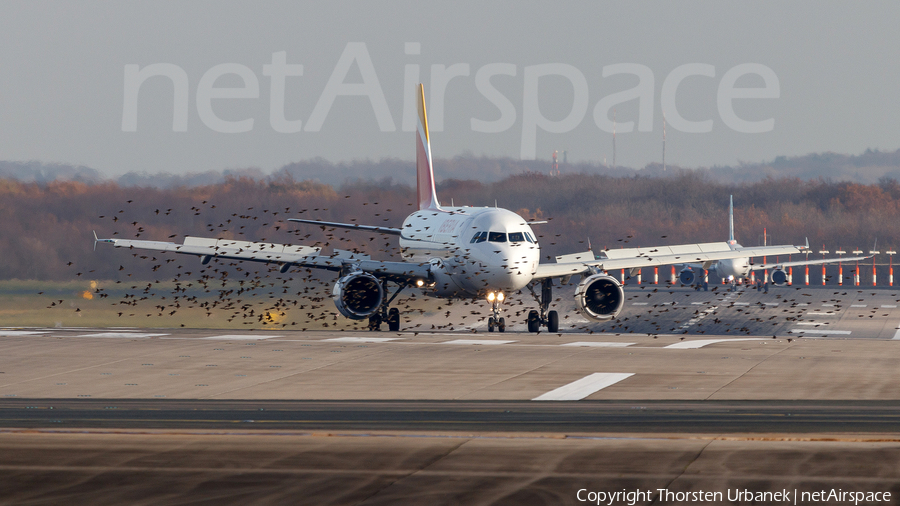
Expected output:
(96, 240)
(424, 170)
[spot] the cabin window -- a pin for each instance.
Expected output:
(497, 237)
(516, 237)
(479, 237)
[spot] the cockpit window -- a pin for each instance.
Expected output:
(479, 237)
(530, 239)
(497, 236)
(516, 237)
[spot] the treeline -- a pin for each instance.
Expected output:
(866, 168)
(45, 230)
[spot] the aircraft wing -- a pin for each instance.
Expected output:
(633, 258)
(352, 226)
(781, 265)
(285, 254)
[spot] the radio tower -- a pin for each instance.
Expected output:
(554, 167)
(614, 138)
(664, 142)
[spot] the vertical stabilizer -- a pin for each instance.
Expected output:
(731, 219)
(424, 169)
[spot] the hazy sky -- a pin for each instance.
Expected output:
(828, 72)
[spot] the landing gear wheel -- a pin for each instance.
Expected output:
(393, 319)
(502, 325)
(534, 321)
(375, 323)
(552, 321)
(491, 324)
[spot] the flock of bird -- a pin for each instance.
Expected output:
(258, 295)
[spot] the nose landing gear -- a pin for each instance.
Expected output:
(495, 320)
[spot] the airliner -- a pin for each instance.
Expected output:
(737, 269)
(461, 252)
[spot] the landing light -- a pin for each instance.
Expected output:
(500, 297)
(420, 283)
(491, 297)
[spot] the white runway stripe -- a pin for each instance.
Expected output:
(13, 333)
(241, 337)
(598, 345)
(477, 341)
(362, 339)
(121, 335)
(584, 387)
(699, 343)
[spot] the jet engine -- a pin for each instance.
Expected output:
(778, 277)
(599, 297)
(358, 295)
(687, 276)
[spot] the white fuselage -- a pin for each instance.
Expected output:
(475, 249)
(733, 268)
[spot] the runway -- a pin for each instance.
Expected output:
(687, 391)
(667, 417)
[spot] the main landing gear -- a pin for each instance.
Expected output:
(545, 318)
(387, 314)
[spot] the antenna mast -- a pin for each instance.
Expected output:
(614, 138)
(664, 145)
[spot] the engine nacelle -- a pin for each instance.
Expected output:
(599, 297)
(687, 276)
(358, 295)
(778, 277)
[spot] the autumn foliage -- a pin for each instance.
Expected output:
(45, 230)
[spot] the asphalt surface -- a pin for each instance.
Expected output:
(688, 391)
(568, 418)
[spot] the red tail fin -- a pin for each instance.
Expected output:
(424, 170)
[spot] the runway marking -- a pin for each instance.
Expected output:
(897, 335)
(771, 304)
(816, 313)
(122, 335)
(489, 342)
(638, 303)
(13, 333)
(699, 343)
(700, 303)
(598, 345)
(741, 303)
(362, 339)
(888, 306)
(813, 323)
(857, 305)
(708, 311)
(815, 331)
(584, 387)
(240, 337)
